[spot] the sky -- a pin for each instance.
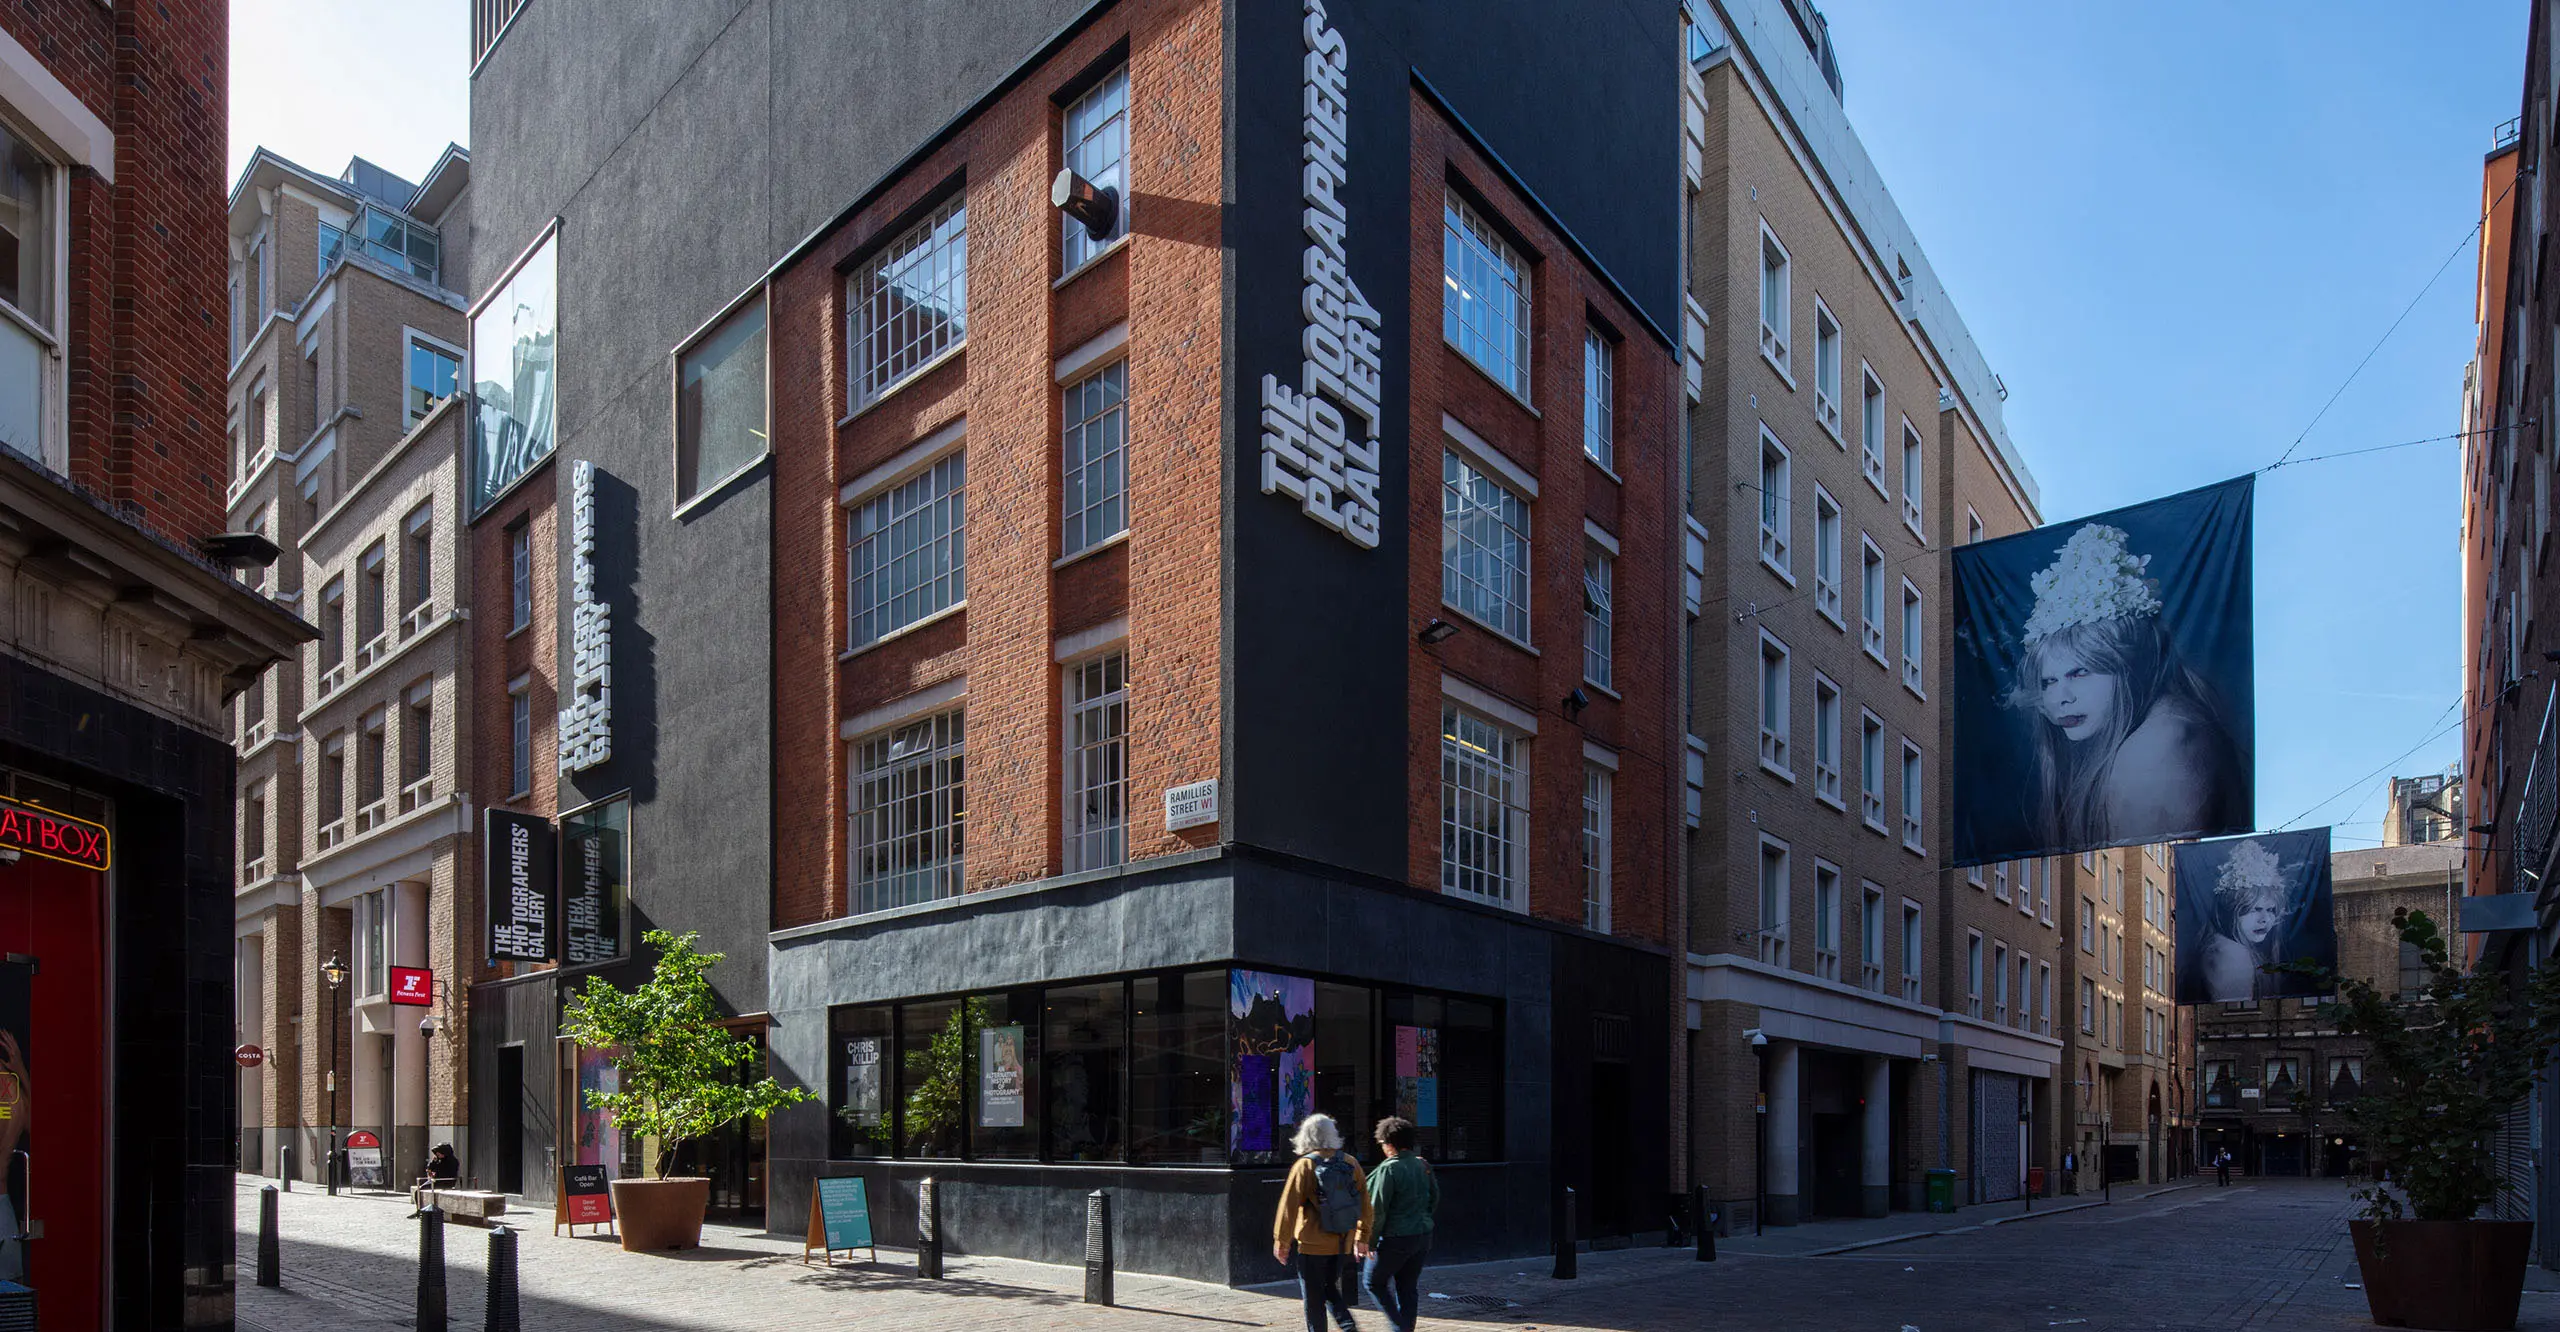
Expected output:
(2175, 228)
(320, 81)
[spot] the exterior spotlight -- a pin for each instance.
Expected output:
(1098, 208)
(1438, 631)
(234, 549)
(1575, 702)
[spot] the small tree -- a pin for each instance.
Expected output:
(680, 1070)
(2445, 1063)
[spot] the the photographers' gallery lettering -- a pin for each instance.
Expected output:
(518, 887)
(1320, 436)
(586, 725)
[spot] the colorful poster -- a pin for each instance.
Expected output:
(1273, 1018)
(1000, 1077)
(599, 1142)
(2248, 904)
(1418, 1075)
(2104, 681)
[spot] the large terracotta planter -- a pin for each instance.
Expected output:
(2457, 1276)
(656, 1214)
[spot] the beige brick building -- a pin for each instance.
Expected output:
(356, 821)
(1860, 1013)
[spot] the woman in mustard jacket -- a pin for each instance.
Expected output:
(1325, 1186)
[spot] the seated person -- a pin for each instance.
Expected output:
(444, 1170)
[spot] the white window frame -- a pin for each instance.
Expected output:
(1777, 301)
(1776, 731)
(48, 331)
(2088, 926)
(1473, 742)
(1915, 784)
(1915, 641)
(2044, 890)
(1826, 919)
(1599, 596)
(1871, 422)
(1774, 900)
(1998, 1015)
(1100, 154)
(1913, 481)
(2044, 998)
(519, 576)
(1777, 507)
(1095, 759)
(1871, 576)
(1914, 959)
(1826, 370)
(1871, 770)
(1973, 972)
(1599, 399)
(1467, 234)
(938, 247)
(1871, 937)
(1999, 881)
(520, 736)
(756, 304)
(1598, 796)
(1972, 526)
(2088, 1007)
(1093, 462)
(915, 764)
(1829, 708)
(1467, 516)
(911, 503)
(1828, 520)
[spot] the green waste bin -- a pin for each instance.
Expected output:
(1942, 1190)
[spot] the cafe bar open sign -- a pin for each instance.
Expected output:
(41, 832)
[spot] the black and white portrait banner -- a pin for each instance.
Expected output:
(2246, 904)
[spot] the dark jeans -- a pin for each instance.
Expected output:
(1320, 1283)
(1395, 1276)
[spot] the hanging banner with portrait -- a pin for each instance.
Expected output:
(2246, 904)
(2103, 681)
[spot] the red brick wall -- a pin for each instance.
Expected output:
(148, 254)
(1165, 283)
(498, 657)
(1641, 509)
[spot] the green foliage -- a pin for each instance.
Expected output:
(937, 1076)
(2445, 1063)
(681, 1071)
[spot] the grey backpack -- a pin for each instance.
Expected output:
(1337, 1194)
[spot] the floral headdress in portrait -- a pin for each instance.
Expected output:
(2094, 578)
(2250, 873)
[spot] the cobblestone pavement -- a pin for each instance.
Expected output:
(2262, 1255)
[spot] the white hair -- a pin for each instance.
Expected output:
(1318, 1133)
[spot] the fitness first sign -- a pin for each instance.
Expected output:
(586, 725)
(1320, 436)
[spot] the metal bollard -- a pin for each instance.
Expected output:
(431, 1269)
(502, 1282)
(1703, 1220)
(928, 1231)
(268, 1260)
(1568, 1258)
(286, 1174)
(1097, 1248)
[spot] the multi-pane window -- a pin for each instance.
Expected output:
(2025, 995)
(1910, 950)
(1775, 888)
(333, 638)
(1484, 544)
(1826, 368)
(1973, 973)
(1484, 808)
(906, 552)
(2044, 998)
(1999, 983)
(1826, 739)
(1599, 574)
(1093, 136)
(1826, 921)
(907, 812)
(908, 304)
(1826, 554)
(1914, 645)
(1871, 428)
(1871, 770)
(370, 572)
(1774, 726)
(1776, 513)
(1871, 598)
(1911, 788)
(417, 731)
(1484, 310)
(1098, 762)
(418, 557)
(1595, 847)
(2088, 926)
(723, 401)
(370, 740)
(1999, 881)
(519, 576)
(520, 737)
(1776, 281)
(29, 254)
(1911, 487)
(2088, 1006)
(1599, 409)
(433, 374)
(2043, 871)
(333, 779)
(1093, 465)
(1871, 937)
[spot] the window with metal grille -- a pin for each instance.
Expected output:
(907, 813)
(1484, 808)
(908, 304)
(1094, 143)
(1093, 470)
(1484, 309)
(1098, 763)
(906, 554)
(1484, 543)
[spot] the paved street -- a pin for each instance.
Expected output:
(2260, 1255)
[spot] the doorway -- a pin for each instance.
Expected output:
(510, 1125)
(1839, 1154)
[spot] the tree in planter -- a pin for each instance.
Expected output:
(2444, 1064)
(680, 1068)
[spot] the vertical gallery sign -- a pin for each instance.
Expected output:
(594, 872)
(1320, 435)
(520, 876)
(586, 725)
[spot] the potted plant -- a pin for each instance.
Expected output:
(2444, 1063)
(682, 1077)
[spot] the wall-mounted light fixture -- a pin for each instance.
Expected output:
(1438, 631)
(1575, 702)
(1097, 207)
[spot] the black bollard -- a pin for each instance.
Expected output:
(928, 1231)
(431, 1269)
(268, 1260)
(1097, 1248)
(287, 1173)
(1568, 1257)
(1702, 1219)
(502, 1282)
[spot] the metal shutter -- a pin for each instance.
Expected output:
(1996, 1168)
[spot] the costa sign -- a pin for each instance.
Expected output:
(41, 832)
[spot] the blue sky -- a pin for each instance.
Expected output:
(2175, 228)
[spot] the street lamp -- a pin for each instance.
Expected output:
(335, 972)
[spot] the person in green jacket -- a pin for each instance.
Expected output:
(1404, 1196)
